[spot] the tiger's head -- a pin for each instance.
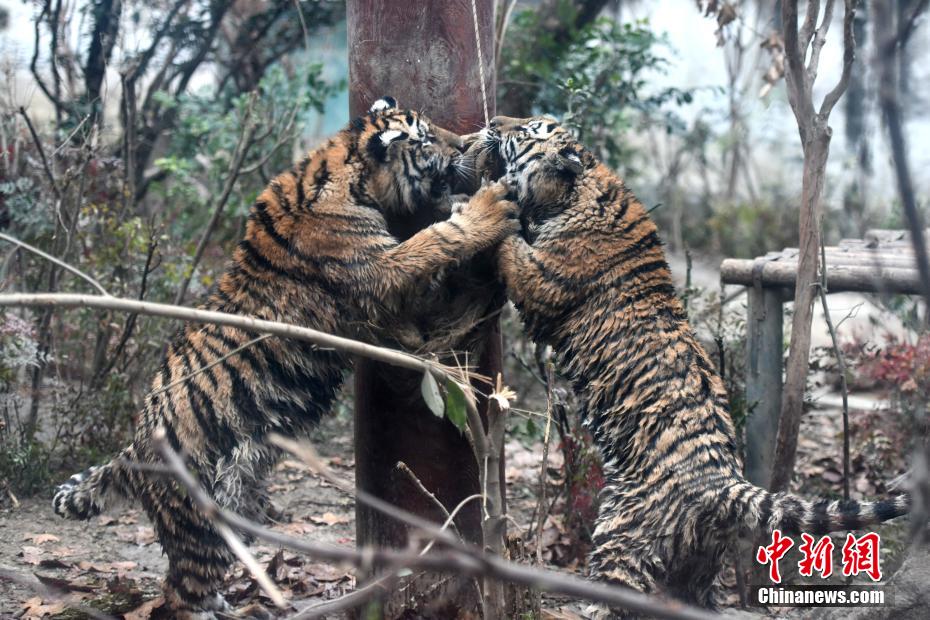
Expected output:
(538, 159)
(409, 161)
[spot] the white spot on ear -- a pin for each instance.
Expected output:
(574, 158)
(385, 103)
(390, 135)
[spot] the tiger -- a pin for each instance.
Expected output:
(316, 252)
(589, 278)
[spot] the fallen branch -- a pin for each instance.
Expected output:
(455, 558)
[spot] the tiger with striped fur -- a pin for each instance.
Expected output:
(589, 278)
(317, 252)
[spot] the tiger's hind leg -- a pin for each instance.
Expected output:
(614, 567)
(197, 555)
(625, 550)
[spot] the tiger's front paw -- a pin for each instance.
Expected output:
(491, 214)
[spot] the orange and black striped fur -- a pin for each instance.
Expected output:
(317, 253)
(589, 278)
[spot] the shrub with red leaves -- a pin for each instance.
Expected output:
(901, 368)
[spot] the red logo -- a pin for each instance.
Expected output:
(773, 553)
(860, 555)
(817, 557)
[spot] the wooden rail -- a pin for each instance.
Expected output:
(882, 262)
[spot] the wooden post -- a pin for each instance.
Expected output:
(423, 54)
(764, 350)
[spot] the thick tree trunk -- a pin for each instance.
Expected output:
(424, 54)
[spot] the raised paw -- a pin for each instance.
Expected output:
(490, 209)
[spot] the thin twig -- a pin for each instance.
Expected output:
(57, 261)
(450, 520)
(219, 360)
(544, 466)
(42, 157)
(401, 466)
(840, 362)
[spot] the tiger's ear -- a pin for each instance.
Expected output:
(574, 159)
(569, 161)
(382, 104)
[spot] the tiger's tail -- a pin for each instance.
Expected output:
(761, 511)
(90, 492)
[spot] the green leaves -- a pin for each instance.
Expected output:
(431, 395)
(454, 405)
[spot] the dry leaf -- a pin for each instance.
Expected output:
(142, 536)
(325, 572)
(297, 528)
(31, 555)
(35, 608)
(329, 518)
(41, 538)
(144, 611)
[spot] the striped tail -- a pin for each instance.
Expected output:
(760, 511)
(89, 492)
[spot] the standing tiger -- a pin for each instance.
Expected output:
(590, 279)
(317, 252)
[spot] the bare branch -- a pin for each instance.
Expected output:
(794, 69)
(810, 20)
(176, 464)
(246, 323)
(885, 59)
(38, 143)
(840, 362)
(849, 56)
(820, 38)
(906, 27)
(58, 262)
(305, 452)
(544, 466)
(12, 576)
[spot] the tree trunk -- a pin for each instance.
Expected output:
(424, 54)
(816, 151)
